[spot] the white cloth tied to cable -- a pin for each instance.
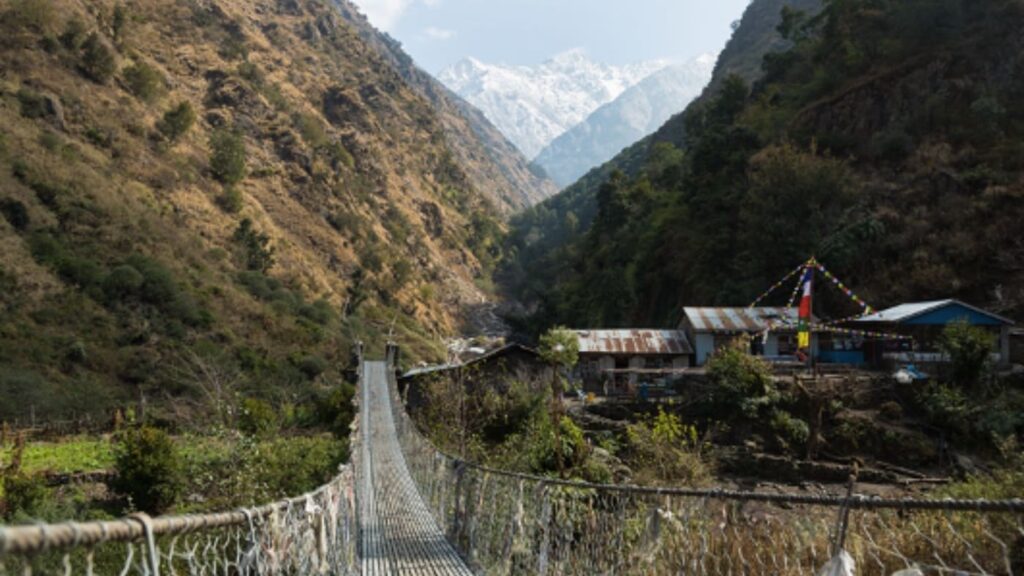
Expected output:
(841, 564)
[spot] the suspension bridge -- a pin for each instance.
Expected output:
(404, 507)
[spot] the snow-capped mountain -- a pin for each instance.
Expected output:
(639, 111)
(533, 105)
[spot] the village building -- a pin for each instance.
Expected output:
(923, 323)
(615, 361)
(773, 330)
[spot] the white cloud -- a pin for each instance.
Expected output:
(438, 33)
(384, 14)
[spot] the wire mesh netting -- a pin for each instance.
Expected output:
(312, 534)
(505, 523)
(509, 523)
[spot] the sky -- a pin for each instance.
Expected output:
(438, 33)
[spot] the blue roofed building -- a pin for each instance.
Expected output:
(924, 322)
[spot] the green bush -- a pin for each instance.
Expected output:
(148, 469)
(123, 283)
(22, 495)
(793, 431)
(740, 381)
(665, 450)
(336, 411)
(177, 121)
(293, 466)
(258, 255)
(15, 213)
(230, 200)
(258, 418)
(968, 348)
(312, 366)
(948, 408)
(98, 60)
(144, 81)
(227, 156)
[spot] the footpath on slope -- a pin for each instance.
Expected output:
(397, 533)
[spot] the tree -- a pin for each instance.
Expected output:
(177, 121)
(98, 61)
(227, 156)
(968, 348)
(561, 348)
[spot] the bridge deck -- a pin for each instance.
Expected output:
(398, 535)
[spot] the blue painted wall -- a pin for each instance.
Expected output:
(854, 357)
(952, 313)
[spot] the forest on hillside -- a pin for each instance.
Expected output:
(886, 141)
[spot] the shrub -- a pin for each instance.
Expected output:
(148, 469)
(15, 213)
(252, 73)
(98, 60)
(312, 130)
(666, 450)
(76, 352)
(230, 200)
(227, 156)
(144, 81)
(119, 23)
(793, 431)
(258, 254)
(258, 418)
(33, 104)
(335, 409)
(740, 381)
(312, 366)
(177, 121)
(22, 494)
(891, 411)
(74, 34)
(296, 465)
(123, 283)
(948, 408)
(968, 348)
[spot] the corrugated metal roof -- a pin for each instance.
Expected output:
(733, 320)
(910, 310)
(641, 342)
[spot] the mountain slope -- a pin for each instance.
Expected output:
(540, 235)
(886, 141)
(492, 163)
(637, 112)
(533, 105)
(225, 187)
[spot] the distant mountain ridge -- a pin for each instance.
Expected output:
(637, 112)
(533, 105)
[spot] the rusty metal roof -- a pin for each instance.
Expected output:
(734, 320)
(641, 342)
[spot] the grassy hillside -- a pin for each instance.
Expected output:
(886, 141)
(205, 198)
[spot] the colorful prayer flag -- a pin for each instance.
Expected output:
(804, 324)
